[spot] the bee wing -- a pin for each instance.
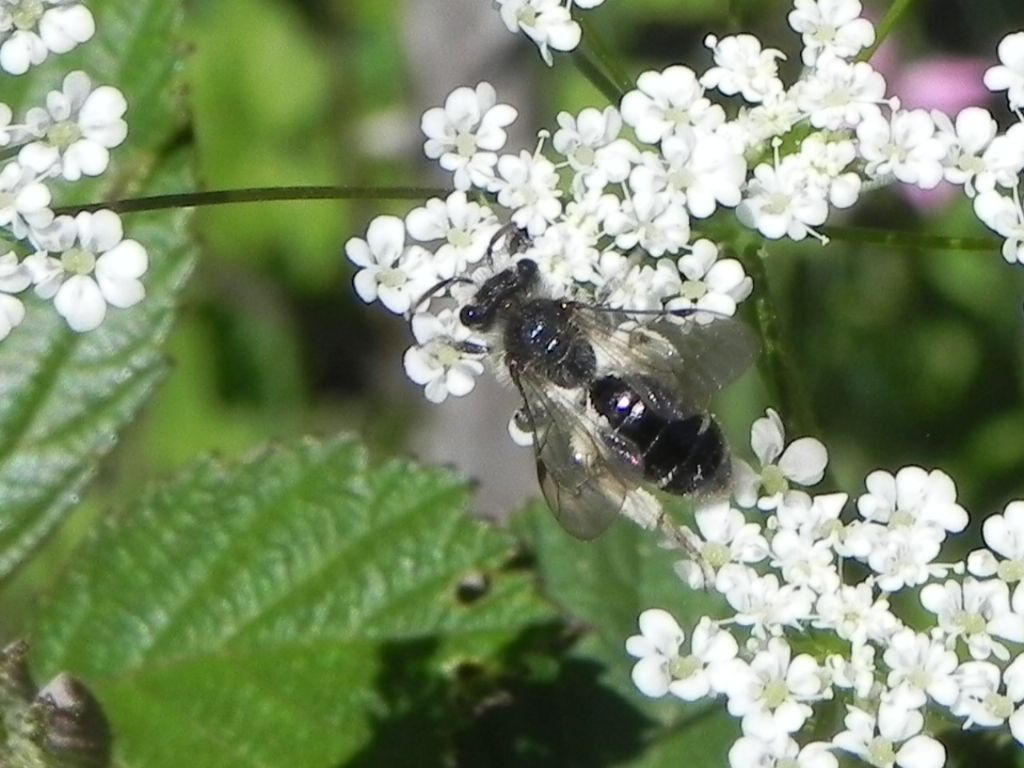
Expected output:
(584, 484)
(695, 358)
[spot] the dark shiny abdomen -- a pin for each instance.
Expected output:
(679, 453)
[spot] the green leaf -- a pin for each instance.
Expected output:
(605, 584)
(63, 396)
(288, 611)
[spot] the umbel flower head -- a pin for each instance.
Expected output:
(615, 206)
(83, 263)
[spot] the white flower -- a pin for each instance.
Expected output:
(656, 647)
(590, 143)
(774, 116)
(39, 28)
(662, 669)
(772, 691)
(466, 134)
(1005, 217)
(831, 27)
(802, 462)
(891, 738)
(24, 202)
(804, 562)
(701, 166)
(905, 146)
(76, 129)
(760, 602)
(528, 185)
(826, 160)
(920, 665)
(391, 272)
(668, 102)
(838, 94)
(906, 519)
(464, 227)
(743, 67)
(782, 202)
(855, 614)
(1009, 76)
(901, 555)
(446, 360)
(712, 284)
(565, 256)
(978, 157)
(749, 751)
(1004, 535)
(546, 22)
(96, 267)
(980, 700)
(855, 671)
(657, 222)
(977, 611)
(636, 286)
(913, 498)
(726, 538)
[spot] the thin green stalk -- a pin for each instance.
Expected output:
(916, 240)
(601, 53)
(775, 364)
(892, 17)
(590, 69)
(256, 195)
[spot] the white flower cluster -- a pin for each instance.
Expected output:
(30, 30)
(801, 637)
(83, 263)
(614, 202)
(548, 23)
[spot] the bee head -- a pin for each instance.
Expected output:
(496, 293)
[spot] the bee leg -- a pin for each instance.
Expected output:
(645, 510)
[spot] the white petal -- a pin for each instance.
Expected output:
(121, 292)
(767, 437)
(662, 629)
(81, 303)
(99, 231)
(921, 752)
(804, 461)
(386, 238)
(12, 312)
(650, 676)
(127, 259)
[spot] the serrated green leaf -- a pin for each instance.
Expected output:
(253, 615)
(605, 584)
(65, 396)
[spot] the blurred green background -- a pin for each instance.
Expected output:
(905, 356)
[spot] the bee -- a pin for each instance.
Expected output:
(616, 405)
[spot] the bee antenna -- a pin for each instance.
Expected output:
(440, 285)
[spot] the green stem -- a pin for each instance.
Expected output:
(889, 21)
(256, 195)
(868, 236)
(775, 365)
(595, 48)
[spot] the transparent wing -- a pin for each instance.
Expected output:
(695, 356)
(583, 469)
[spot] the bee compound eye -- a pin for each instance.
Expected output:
(470, 315)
